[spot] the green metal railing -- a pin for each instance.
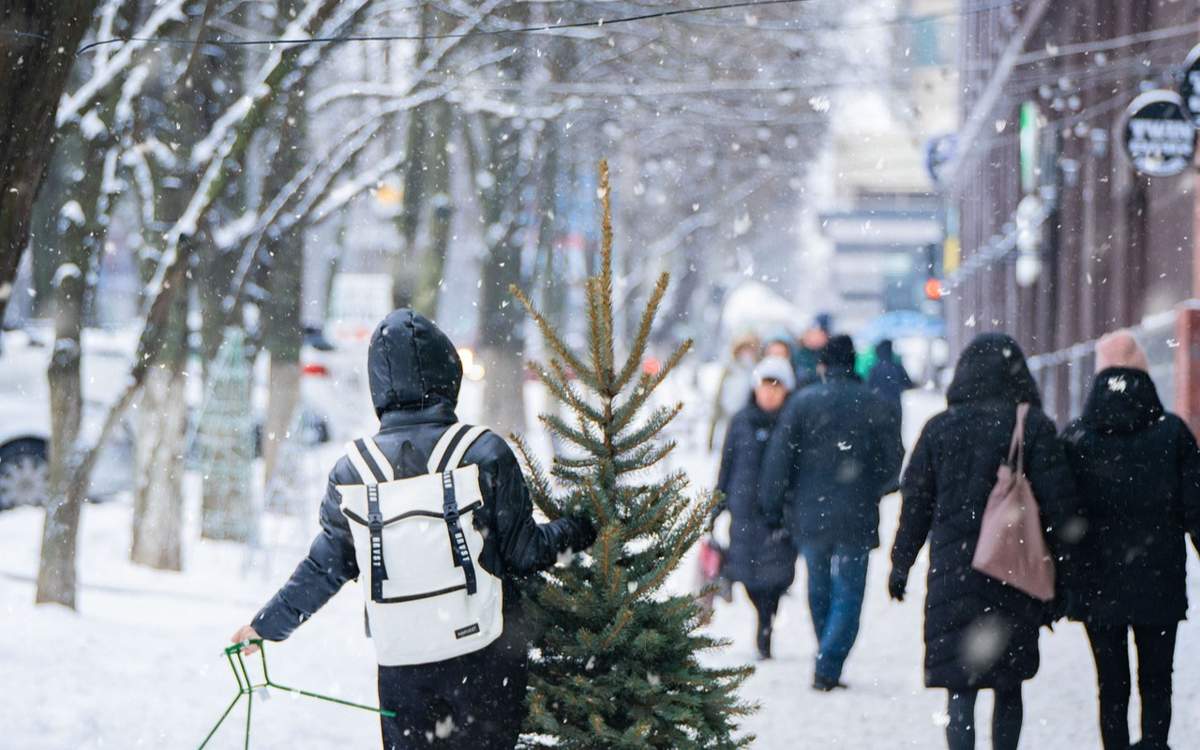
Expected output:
(247, 686)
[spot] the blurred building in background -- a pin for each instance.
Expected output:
(886, 219)
(1054, 236)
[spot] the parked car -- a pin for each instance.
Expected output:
(25, 415)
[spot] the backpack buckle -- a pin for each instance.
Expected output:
(375, 521)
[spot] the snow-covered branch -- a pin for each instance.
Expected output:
(72, 105)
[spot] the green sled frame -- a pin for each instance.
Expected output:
(246, 687)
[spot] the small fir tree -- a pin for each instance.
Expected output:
(617, 662)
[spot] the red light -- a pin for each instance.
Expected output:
(315, 368)
(933, 289)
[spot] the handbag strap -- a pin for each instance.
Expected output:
(1016, 448)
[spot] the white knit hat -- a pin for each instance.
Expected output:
(775, 368)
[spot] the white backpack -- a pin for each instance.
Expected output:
(428, 598)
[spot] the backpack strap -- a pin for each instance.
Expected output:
(452, 446)
(372, 468)
(370, 463)
(468, 439)
(447, 455)
(458, 540)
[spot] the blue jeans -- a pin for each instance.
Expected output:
(837, 578)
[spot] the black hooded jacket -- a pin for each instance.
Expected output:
(980, 633)
(1137, 468)
(415, 373)
(835, 451)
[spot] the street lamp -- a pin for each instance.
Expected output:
(1029, 240)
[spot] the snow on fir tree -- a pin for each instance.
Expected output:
(617, 660)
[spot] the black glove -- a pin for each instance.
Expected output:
(585, 533)
(897, 582)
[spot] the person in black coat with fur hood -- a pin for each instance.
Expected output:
(979, 632)
(1138, 472)
(476, 700)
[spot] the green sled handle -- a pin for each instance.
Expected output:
(246, 687)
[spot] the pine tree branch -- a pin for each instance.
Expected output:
(645, 458)
(556, 344)
(657, 422)
(572, 398)
(646, 387)
(641, 341)
(562, 429)
(541, 492)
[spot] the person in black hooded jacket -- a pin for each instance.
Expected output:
(1138, 472)
(472, 701)
(979, 632)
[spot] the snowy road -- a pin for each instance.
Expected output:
(140, 665)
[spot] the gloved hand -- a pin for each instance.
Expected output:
(585, 533)
(897, 583)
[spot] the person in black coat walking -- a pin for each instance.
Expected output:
(759, 557)
(979, 632)
(1138, 472)
(888, 377)
(835, 452)
(472, 701)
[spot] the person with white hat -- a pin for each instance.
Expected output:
(761, 559)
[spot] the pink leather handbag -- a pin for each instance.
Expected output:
(1012, 547)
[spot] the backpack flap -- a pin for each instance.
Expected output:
(415, 540)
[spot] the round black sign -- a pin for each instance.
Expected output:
(1158, 134)
(1189, 87)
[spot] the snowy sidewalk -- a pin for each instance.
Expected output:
(140, 665)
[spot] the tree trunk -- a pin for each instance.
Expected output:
(56, 571)
(158, 496)
(281, 410)
(159, 446)
(282, 325)
(441, 214)
(406, 273)
(37, 51)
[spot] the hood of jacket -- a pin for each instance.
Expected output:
(412, 365)
(1122, 400)
(993, 368)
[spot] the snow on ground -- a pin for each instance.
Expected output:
(140, 664)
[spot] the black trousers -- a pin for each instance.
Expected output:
(1156, 658)
(766, 604)
(1007, 716)
(475, 701)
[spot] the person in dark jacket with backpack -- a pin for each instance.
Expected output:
(759, 557)
(980, 633)
(835, 452)
(476, 700)
(1138, 472)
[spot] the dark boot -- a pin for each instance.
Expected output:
(826, 685)
(764, 643)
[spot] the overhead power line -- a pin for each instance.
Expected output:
(541, 28)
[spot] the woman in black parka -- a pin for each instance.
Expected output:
(979, 632)
(759, 557)
(1138, 472)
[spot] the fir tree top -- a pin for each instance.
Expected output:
(617, 664)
